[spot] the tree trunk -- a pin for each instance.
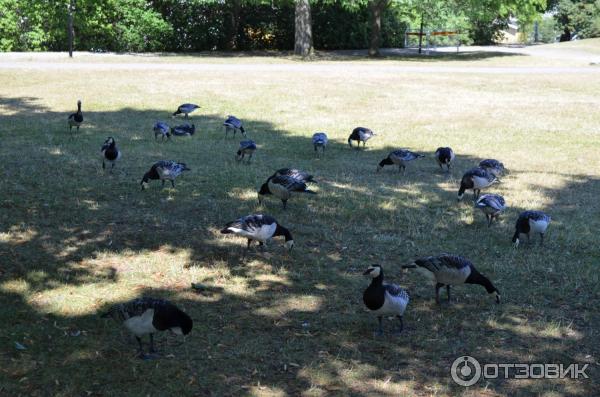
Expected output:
(303, 39)
(377, 7)
(70, 32)
(236, 8)
(421, 35)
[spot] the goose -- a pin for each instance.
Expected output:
(259, 227)
(399, 157)
(492, 206)
(282, 187)
(162, 129)
(531, 222)
(319, 140)
(360, 134)
(110, 153)
(295, 173)
(384, 299)
(447, 269)
(476, 179)
(75, 119)
(444, 156)
(146, 316)
(186, 109)
(163, 170)
(493, 166)
(246, 148)
(233, 124)
(184, 130)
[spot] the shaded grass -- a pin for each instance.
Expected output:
(75, 240)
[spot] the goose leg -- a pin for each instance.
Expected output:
(140, 349)
(163, 183)
(152, 344)
(379, 331)
(437, 292)
(399, 330)
(448, 291)
(489, 219)
(103, 165)
(542, 239)
(172, 183)
(284, 204)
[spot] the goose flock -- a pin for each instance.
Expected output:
(146, 316)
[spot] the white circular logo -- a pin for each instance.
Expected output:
(465, 371)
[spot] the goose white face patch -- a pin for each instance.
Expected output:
(375, 271)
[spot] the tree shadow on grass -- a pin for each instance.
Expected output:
(76, 240)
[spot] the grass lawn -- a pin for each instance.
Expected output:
(75, 239)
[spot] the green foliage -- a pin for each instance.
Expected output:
(581, 17)
(198, 25)
(547, 30)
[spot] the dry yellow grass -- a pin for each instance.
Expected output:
(75, 240)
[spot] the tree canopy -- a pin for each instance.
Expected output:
(195, 25)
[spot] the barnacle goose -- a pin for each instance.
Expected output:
(163, 170)
(399, 157)
(75, 119)
(447, 269)
(360, 134)
(476, 179)
(186, 109)
(184, 130)
(162, 129)
(110, 153)
(493, 166)
(246, 148)
(492, 206)
(145, 316)
(444, 156)
(260, 228)
(319, 140)
(531, 222)
(295, 173)
(384, 299)
(282, 187)
(233, 124)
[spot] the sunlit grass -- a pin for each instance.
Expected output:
(75, 239)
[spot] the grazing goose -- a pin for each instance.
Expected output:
(162, 129)
(493, 166)
(282, 187)
(399, 157)
(184, 130)
(492, 206)
(144, 316)
(360, 134)
(110, 153)
(246, 148)
(531, 222)
(260, 228)
(295, 173)
(476, 179)
(233, 124)
(75, 119)
(449, 269)
(444, 156)
(186, 109)
(319, 140)
(384, 299)
(164, 170)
